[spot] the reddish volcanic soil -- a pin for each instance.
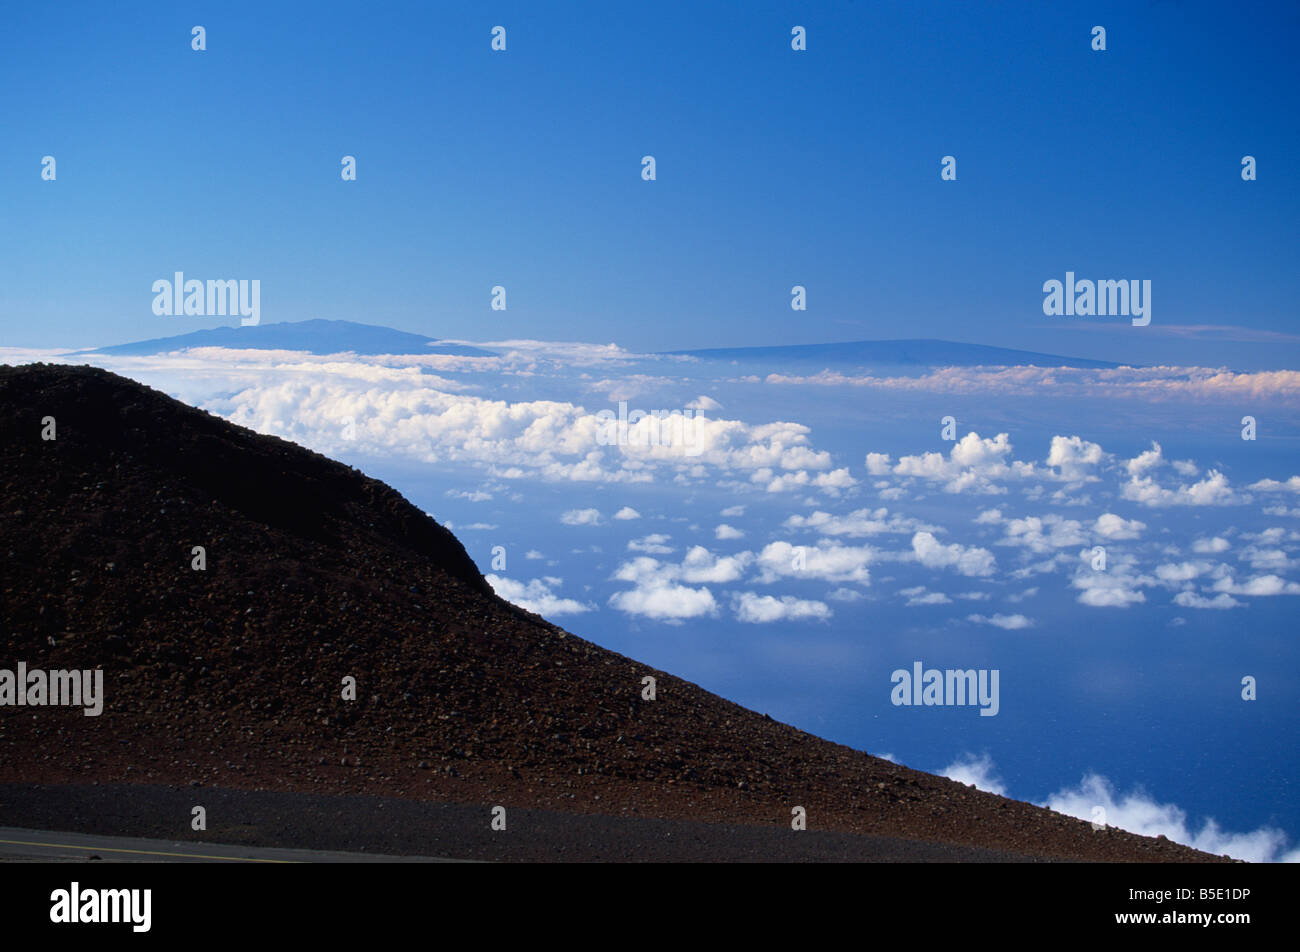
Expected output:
(232, 677)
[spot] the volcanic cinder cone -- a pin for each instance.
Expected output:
(233, 676)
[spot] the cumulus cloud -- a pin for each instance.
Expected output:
(857, 524)
(1291, 485)
(979, 771)
(665, 602)
(972, 465)
(698, 566)
(1145, 461)
(1008, 622)
(966, 560)
(845, 595)
(829, 562)
(1043, 534)
(358, 406)
(1111, 526)
(1139, 813)
(476, 496)
(760, 609)
(1190, 599)
(653, 544)
(919, 596)
(1118, 586)
(627, 512)
(1262, 585)
(1073, 458)
(1176, 572)
(1211, 545)
(1213, 490)
(581, 517)
(1121, 383)
(536, 596)
(724, 532)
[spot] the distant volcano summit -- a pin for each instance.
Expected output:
(892, 353)
(316, 337)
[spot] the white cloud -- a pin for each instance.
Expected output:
(862, 522)
(1145, 461)
(724, 532)
(1213, 490)
(1262, 585)
(732, 511)
(831, 562)
(1176, 572)
(698, 565)
(665, 602)
(967, 560)
(1221, 601)
(405, 411)
(476, 496)
(1044, 534)
(1139, 813)
(757, 609)
(581, 517)
(919, 596)
(1273, 486)
(653, 544)
(627, 512)
(1115, 587)
(1214, 544)
(1008, 622)
(536, 596)
(1111, 526)
(1120, 383)
(969, 769)
(1075, 458)
(971, 465)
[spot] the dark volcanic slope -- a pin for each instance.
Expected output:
(232, 677)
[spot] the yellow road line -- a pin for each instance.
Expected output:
(111, 849)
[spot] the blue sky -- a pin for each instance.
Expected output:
(1121, 686)
(775, 168)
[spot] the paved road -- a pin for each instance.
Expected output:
(320, 828)
(44, 846)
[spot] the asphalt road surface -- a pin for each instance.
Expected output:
(265, 826)
(45, 846)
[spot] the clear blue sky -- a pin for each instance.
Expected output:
(775, 168)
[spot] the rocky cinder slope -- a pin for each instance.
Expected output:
(232, 677)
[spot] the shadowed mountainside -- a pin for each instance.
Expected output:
(232, 676)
